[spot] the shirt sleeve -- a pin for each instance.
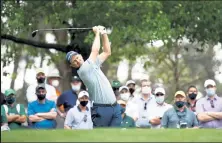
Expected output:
(53, 106)
(69, 119)
(22, 110)
(164, 120)
(199, 107)
(30, 110)
(60, 100)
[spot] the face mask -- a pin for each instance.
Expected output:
(55, 83)
(160, 99)
(179, 104)
(41, 96)
(131, 90)
(146, 90)
(83, 103)
(192, 96)
(75, 87)
(41, 80)
(10, 100)
(125, 96)
(210, 92)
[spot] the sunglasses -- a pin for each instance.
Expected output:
(159, 94)
(145, 106)
(85, 118)
(212, 103)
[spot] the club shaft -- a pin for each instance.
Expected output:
(63, 29)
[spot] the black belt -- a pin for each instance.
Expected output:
(105, 105)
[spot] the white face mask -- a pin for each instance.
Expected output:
(159, 99)
(76, 87)
(146, 90)
(125, 96)
(55, 83)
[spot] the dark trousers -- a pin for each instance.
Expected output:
(106, 116)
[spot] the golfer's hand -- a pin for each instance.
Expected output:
(102, 29)
(96, 29)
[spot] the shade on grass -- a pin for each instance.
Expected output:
(114, 135)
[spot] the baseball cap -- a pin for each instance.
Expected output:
(40, 70)
(180, 93)
(116, 84)
(209, 82)
(40, 86)
(83, 93)
(123, 87)
(9, 91)
(70, 54)
(159, 89)
(130, 82)
(54, 74)
(76, 78)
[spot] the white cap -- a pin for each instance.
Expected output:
(40, 70)
(130, 82)
(54, 74)
(159, 89)
(123, 87)
(83, 93)
(209, 82)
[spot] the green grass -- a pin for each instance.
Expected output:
(114, 135)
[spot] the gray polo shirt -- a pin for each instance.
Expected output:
(99, 88)
(204, 105)
(172, 117)
(76, 119)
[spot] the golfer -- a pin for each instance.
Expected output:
(105, 111)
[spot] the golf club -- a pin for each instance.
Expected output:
(35, 32)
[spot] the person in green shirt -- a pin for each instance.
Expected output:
(127, 121)
(116, 85)
(15, 113)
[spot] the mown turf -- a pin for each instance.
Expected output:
(114, 135)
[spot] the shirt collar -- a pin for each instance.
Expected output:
(147, 99)
(215, 97)
(87, 109)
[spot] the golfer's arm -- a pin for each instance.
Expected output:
(35, 118)
(95, 48)
(12, 118)
(106, 48)
(49, 115)
(21, 119)
(204, 117)
(217, 115)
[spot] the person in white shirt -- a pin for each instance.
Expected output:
(156, 114)
(131, 108)
(145, 103)
(79, 117)
(40, 77)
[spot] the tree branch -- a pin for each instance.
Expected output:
(58, 47)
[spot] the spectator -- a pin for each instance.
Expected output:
(14, 112)
(40, 77)
(69, 98)
(79, 117)
(209, 108)
(179, 116)
(54, 79)
(131, 107)
(131, 85)
(42, 112)
(159, 109)
(145, 103)
(191, 101)
(127, 121)
(116, 85)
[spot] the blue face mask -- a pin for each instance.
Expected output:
(210, 92)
